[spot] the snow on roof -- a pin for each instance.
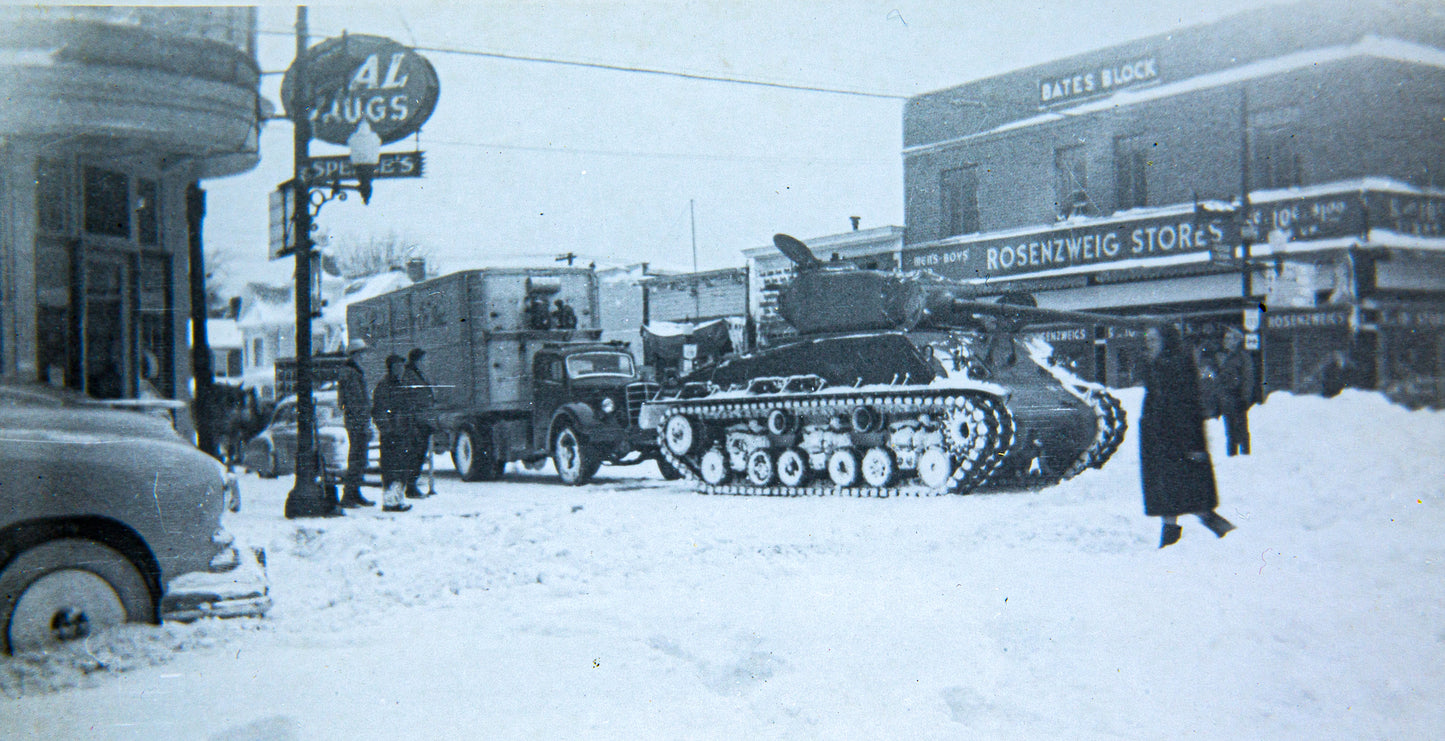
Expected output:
(223, 333)
(361, 289)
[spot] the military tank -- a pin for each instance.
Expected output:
(897, 384)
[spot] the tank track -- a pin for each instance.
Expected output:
(1112, 422)
(926, 442)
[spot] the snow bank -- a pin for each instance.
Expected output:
(637, 609)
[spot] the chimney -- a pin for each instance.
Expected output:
(416, 269)
(855, 220)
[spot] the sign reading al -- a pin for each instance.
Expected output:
(343, 80)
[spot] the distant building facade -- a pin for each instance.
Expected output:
(1112, 181)
(113, 117)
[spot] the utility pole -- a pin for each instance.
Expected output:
(568, 256)
(696, 299)
(307, 498)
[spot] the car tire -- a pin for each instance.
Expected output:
(68, 589)
(474, 458)
(575, 462)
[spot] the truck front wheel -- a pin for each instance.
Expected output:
(575, 462)
(474, 458)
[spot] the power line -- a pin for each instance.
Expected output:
(659, 155)
(640, 70)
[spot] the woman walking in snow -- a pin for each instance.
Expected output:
(1174, 465)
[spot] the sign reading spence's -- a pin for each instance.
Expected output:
(351, 78)
(1088, 244)
(1100, 81)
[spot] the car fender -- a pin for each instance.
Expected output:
(579, 415)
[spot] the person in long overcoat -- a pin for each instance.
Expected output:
(1234, 391)
(421, 402)
(390, 411)
(356, 415)
(1174, 466)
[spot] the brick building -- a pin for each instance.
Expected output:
(1112, 181)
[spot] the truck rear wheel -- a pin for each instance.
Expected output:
(575, 462)
(474, 458)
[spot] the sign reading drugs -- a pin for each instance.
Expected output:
(351, 78)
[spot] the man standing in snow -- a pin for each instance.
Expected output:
(420, 403)
(389, 409)
(1174, 465)
(1234, 391)
(356, 409)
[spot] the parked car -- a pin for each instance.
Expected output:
(272, 452)
(107, 516)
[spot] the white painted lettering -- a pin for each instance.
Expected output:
(393, 70)
(366, 74)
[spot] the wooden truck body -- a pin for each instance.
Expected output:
(506, 386)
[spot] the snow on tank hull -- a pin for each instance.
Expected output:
(883, 413)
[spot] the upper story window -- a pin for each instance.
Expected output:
(147, 212)
(1274, 150)
(52, 196)
(1131, 163)
(107, 202)
(959, 188)
(1071, 182)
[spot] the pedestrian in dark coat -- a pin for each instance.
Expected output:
(422, 402)
(390, 411)
(1234, 391)
(356, 413)
(1174, 465)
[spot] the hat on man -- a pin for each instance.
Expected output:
(355, 346)
(415, 355)
(394, 359)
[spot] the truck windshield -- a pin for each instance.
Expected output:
(588, 364)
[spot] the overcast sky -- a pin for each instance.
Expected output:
(526, 160)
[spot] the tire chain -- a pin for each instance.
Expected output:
(975, 457)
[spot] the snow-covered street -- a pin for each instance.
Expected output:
(635, 608)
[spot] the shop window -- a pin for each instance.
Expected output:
(52, 196)
(1131, 161)
(147, 212)
(157, 351)
(257, 357)
(959, 188)
(1071, 183)
(107, 202)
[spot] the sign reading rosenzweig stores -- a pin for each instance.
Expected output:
(354, 78)
(1103, 80)
(1094, 243)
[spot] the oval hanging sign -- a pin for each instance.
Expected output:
(352, 78)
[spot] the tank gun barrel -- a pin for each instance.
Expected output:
(1026, 315)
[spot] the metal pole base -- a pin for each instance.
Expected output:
(309, 499)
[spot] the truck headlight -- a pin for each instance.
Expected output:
(608, 405)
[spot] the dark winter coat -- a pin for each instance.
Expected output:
(1174, 465)
(419, 396)
(1234, 381)
(351, 392)
(396, 423)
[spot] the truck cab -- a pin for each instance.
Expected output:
(585, 402)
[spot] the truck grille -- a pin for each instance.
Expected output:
(637, 393)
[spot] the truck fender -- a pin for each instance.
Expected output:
(580, 415)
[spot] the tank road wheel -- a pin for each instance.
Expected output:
(934, 468)
(680, 434)
(713, 467)
(575, 463)
(760, 468)
(843, 467)
(879, 467)
(780, 422)
(792, 468)
(66, 590)
(866, 419)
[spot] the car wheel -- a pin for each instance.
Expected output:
(66, 590)
(265, 466)
(574, 461)
(474, 458)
